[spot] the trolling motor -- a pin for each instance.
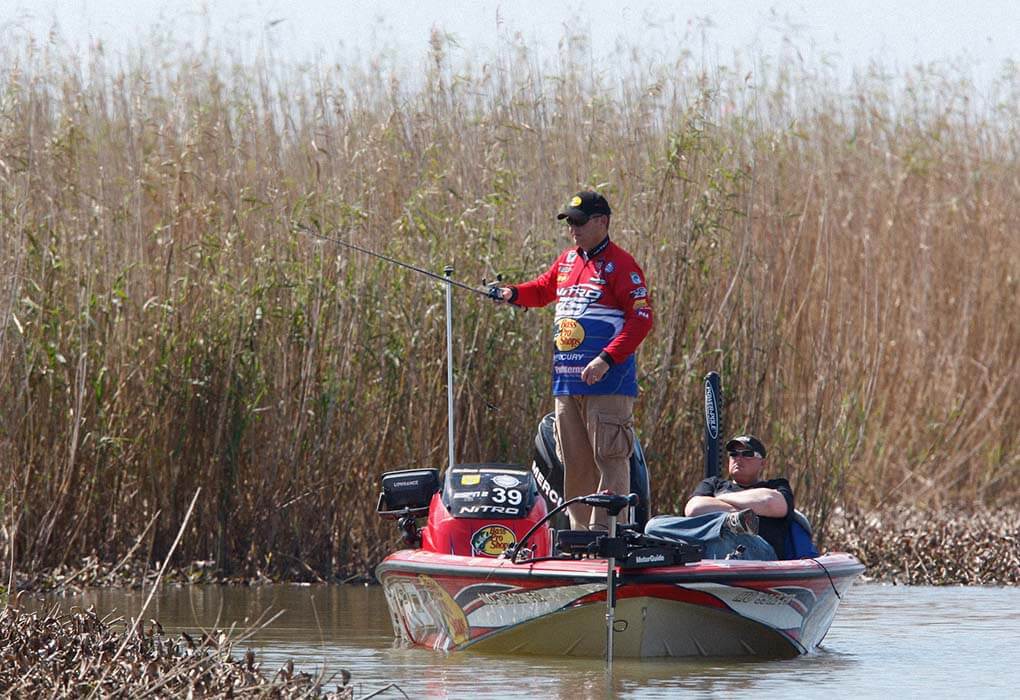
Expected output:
(627, 546)
(613, 504)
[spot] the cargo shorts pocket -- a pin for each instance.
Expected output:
(615, 437)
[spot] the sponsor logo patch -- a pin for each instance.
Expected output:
(562, 277)
(565, 268)
(640, 303)
(492, 540)
(575, 202)
(569, 334)
(635, 278)
(639, 293)
(644, 313)
(506, 481)
(597, 280)
(470, 480)
(571, 256)
(610, 267)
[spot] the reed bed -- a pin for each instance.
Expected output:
(78, 654)
(907, 546)
(845, 256)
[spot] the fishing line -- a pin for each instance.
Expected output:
(486, 292)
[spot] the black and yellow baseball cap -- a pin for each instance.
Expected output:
(584, 205)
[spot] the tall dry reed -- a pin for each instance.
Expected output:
(847, 258)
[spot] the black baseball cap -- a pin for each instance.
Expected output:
(747, 442)
(584, 205)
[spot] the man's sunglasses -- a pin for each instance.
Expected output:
(742, 453)
(578, 223)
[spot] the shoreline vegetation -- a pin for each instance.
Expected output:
(898, 547)
(845, 256)
(79, 654)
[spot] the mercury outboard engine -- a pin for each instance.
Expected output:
(548, 471)
(479, 510)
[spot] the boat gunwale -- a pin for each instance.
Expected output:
(840, 565)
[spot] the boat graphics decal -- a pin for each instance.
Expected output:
(513, 606)
(424, 613)
(786, 609)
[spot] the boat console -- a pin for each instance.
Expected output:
(479, 510)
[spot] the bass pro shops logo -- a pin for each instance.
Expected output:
(492, 540)
(569, 334)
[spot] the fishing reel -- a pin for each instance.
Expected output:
(492, 289)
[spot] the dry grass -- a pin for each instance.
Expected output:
(904, 545)
(79, 655)
(847, 259)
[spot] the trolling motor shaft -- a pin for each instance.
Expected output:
(613, 504)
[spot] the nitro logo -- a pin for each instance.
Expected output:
(485, 509)
(711, 412)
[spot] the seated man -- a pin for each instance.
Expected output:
(740, 511)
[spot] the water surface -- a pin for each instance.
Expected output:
(912, 641)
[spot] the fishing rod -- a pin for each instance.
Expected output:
(491, 290)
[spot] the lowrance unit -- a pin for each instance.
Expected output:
(407, 493)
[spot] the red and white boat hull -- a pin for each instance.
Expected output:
(558, 607)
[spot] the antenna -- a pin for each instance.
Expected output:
(448, 272)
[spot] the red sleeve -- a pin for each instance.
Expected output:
(632, 296)
(539, 291)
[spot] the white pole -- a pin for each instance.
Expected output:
(610, 597)
(448, 272)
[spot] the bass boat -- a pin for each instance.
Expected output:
(488, 571)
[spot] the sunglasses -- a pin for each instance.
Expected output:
(742, 453)
(578, 223)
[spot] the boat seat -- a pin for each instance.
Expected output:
(802, 519)
(799, 544)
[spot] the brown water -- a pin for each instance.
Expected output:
(913, 641)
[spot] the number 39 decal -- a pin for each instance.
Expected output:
(512, 496)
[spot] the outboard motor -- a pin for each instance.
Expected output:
(481, 511)
(548, 471)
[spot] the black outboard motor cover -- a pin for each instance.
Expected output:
(548, 471)
(489, 491)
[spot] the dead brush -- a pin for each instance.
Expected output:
(65, 655)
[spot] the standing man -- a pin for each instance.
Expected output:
(603, 312)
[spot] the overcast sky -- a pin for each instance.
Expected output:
(981, 35)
